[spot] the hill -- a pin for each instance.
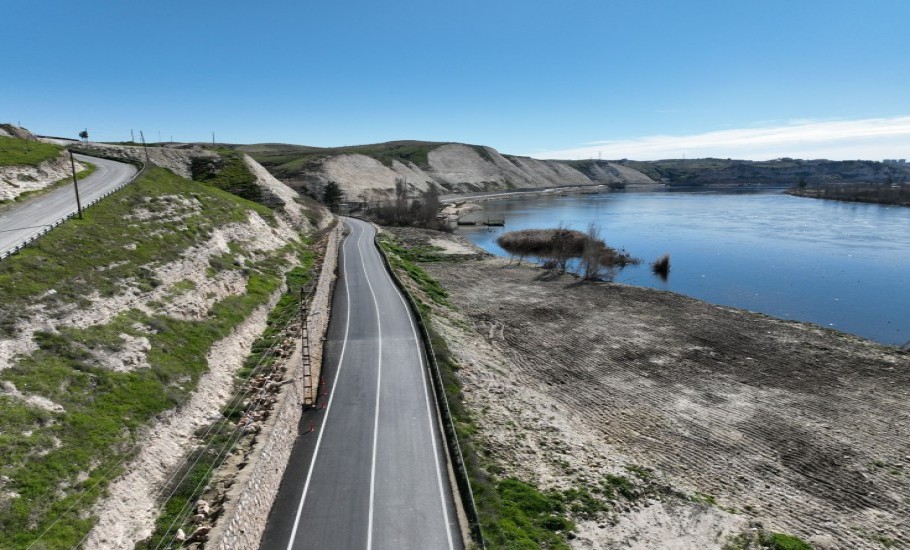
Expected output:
(29, 166)
(369, 172)
(782, 172)
(121, 334)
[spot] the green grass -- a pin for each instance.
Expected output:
(175, 511)
(91, 255)
(229, 174)
(15, 151)
(763, 540)
(405, 258)
(60, 459)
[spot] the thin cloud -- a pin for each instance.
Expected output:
(873, 138)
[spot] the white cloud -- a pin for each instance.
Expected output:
(872, 139)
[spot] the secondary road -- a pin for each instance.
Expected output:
(372, 472)
(20, 222)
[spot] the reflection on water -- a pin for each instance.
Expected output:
(840, 265)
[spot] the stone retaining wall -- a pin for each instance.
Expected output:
(251, 496)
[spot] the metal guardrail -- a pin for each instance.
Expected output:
(451, 436)
(48, 227)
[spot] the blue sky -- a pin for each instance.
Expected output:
(547, 78)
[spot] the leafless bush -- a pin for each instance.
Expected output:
(558, 246)
(661, 267)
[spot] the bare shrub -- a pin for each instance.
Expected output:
(558, 246)
(661, 267)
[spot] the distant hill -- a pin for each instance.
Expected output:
(369, 171)
(780, 172)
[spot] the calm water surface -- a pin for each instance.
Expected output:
(841, 265)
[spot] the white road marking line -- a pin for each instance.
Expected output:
(378, 386)
(328, 407)
(430, 416)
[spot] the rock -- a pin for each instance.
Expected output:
(181, 536)
(822, 542)
(203, 507)
(200, 534)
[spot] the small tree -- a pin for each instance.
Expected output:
(591, 255)
(84, 135)
(562, 247)
(332, 195)
(401, 200)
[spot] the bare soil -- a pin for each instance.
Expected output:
(763, 422)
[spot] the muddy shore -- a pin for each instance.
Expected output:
(748, 422)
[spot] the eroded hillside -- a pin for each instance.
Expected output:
(369, 172)
(126, 325)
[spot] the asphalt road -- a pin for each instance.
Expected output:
(372, 473)
(19, 222)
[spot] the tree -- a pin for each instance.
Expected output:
(430, 208)
(84, 135)
(591, 264)
(562, 247)
(332, 195)
(401, 199)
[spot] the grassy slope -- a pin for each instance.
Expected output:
(15, 151)
(58, 460)
(232, 175)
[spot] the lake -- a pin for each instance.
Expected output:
(840, 265)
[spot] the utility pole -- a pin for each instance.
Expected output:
(132, 136)
(144, 147)
(76, 185)
(213, 139)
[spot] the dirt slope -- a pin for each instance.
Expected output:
(369, 172)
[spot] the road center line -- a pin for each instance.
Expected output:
(328, 407)
(378, 386)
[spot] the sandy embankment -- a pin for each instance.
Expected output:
(800, 429)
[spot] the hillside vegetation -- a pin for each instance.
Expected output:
(106, 323)
(16, 151)
(894, 194)
(779, 172)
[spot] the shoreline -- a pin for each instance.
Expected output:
(748, 422)
(483, 196)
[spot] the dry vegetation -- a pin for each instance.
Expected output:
(558, 246)
(662, 421)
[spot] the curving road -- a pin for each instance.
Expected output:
(19, 223)
(372, 472)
